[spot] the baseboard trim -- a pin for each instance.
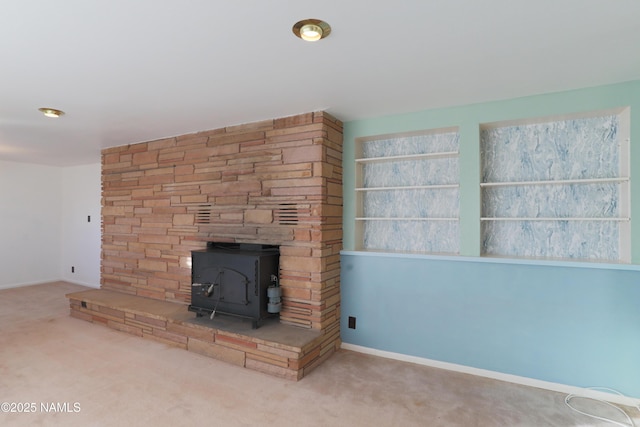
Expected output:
(515, 379)
(21, 285)
(88, 285)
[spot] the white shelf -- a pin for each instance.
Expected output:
(442, 155)
(426, 167)
(410, 187)
(404, 219)
(552, 219)
(555, 182)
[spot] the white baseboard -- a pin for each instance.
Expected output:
(531, 382)
(41, 282)
(88, 285)
(20, 285)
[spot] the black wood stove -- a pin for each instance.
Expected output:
(232, 279)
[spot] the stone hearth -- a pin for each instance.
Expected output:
(277, 349)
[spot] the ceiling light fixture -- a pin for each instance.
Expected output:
(311, 30)
(51, 112)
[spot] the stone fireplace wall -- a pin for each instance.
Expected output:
(276, 182)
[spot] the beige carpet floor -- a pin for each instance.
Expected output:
(69, 372)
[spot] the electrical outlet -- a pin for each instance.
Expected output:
(73, 269)
(88, 218)
(352, 322)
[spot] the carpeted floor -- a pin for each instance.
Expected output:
(69, 372)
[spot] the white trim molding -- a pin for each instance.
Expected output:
(515, 379)
(21, 285)
(41, 282)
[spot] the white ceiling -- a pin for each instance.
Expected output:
(127, 71)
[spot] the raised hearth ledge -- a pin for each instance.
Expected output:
(274, 348)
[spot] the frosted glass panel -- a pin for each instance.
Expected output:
(577, 149)
(571, 149)
(411, 172)
(552, 239)
(552, 201)
(437, 203)
(386, 194)
(412, 236)
(407, 145)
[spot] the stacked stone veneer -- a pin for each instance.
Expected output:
(276, 182)
(292, 357)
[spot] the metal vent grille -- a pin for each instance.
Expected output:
(202, 212)
(283, 213)
(287, 214)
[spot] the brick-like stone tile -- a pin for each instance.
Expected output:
(270, 369)
(201, 334)
(268, 360)
(80, 315)
(229, 355)
(125, 328)
(225, 339)
(150, 191)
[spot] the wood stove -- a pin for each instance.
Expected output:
(232, 279)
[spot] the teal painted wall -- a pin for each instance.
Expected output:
(576, 324)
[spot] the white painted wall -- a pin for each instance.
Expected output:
(81, 193)
(30, 212)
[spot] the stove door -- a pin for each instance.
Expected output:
(234, 287)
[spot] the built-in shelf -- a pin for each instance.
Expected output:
(404, 219)
(430, 156)
(552, 219)
(407, 192)
(410, 187)
(529, 169)
(556, 182)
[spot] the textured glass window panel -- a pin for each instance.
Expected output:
(422, 203)
(411, 172)
(571, 149)
(412, 236)
(597, 200)
(408, 145)
(595, 240)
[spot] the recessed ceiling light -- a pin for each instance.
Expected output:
(311, 30)
(51, 112)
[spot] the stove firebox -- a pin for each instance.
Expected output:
(232, 279)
